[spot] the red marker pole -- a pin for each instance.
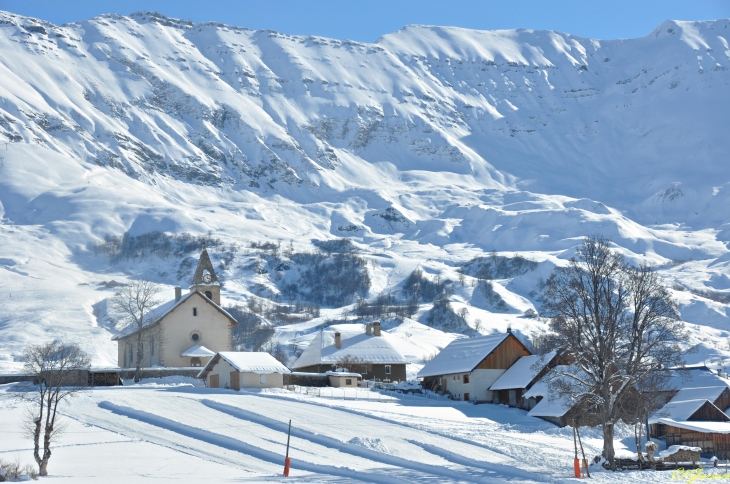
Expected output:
(287, 461)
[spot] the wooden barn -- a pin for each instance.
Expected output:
(468, 367)
(520, 377)
(694, 423)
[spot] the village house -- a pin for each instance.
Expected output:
(369, 353)
(520, 377)
(468, 367)
(184, 332)
(236, 370)
(694, 423)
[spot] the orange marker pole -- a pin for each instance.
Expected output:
(287, 461)
(576, 468)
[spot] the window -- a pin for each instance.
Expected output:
(152, 346)
(195, 311)
(209, 294)
(348, 381)
(131, 354)
(466, 378)
(387, 369)
(263, 379)
(195, 361)
(466, 397)
(195, 336)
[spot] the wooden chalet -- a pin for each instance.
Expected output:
(468, 367)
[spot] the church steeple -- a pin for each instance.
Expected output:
(205, 280)
(204, 273)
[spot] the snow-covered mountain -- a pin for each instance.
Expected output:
(427, 148)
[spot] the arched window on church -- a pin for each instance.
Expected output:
(209, 295)
(195, 361)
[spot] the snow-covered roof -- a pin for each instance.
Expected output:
(704, 393)
(156, 314)
(199, 351)
(246, 362)
(462, 355)
(696, 377)
(343, 373)
(700, 426)
(555, 407)
(523, 372)
(678, 410)
(370, 349)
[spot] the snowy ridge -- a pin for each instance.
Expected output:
(428, 148)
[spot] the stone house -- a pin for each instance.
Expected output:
(185, 331)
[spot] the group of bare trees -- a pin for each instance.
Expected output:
(622, 331)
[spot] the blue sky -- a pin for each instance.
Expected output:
(367, 20)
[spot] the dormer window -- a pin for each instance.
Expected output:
(195, 311)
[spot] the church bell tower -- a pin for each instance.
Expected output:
(205, 279)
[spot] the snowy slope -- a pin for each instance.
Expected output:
(430, 147)
(167, 431)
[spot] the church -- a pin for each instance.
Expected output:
(185, 331)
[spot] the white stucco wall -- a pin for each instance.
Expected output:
(223, 369)
(478, 386)
(178, 327)
(253, 380)
(173, 335)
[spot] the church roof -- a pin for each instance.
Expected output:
(204, 266)
(158, 314)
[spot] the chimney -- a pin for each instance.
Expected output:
(178, 293)
(369, 329)
(338, 340)
(376, 328)
(509, 328)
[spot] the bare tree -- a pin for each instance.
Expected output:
(133, 302)
(620, 325)
(354, 364)
(57, 369)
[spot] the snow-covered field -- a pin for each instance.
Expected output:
(182, 433)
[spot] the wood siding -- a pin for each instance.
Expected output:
(235, 380)
(214, 381)
(715, 444)
(504, 355)
(708, 413)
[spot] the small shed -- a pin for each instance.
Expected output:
(236, 370)
(343, 378)
(520, 377)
